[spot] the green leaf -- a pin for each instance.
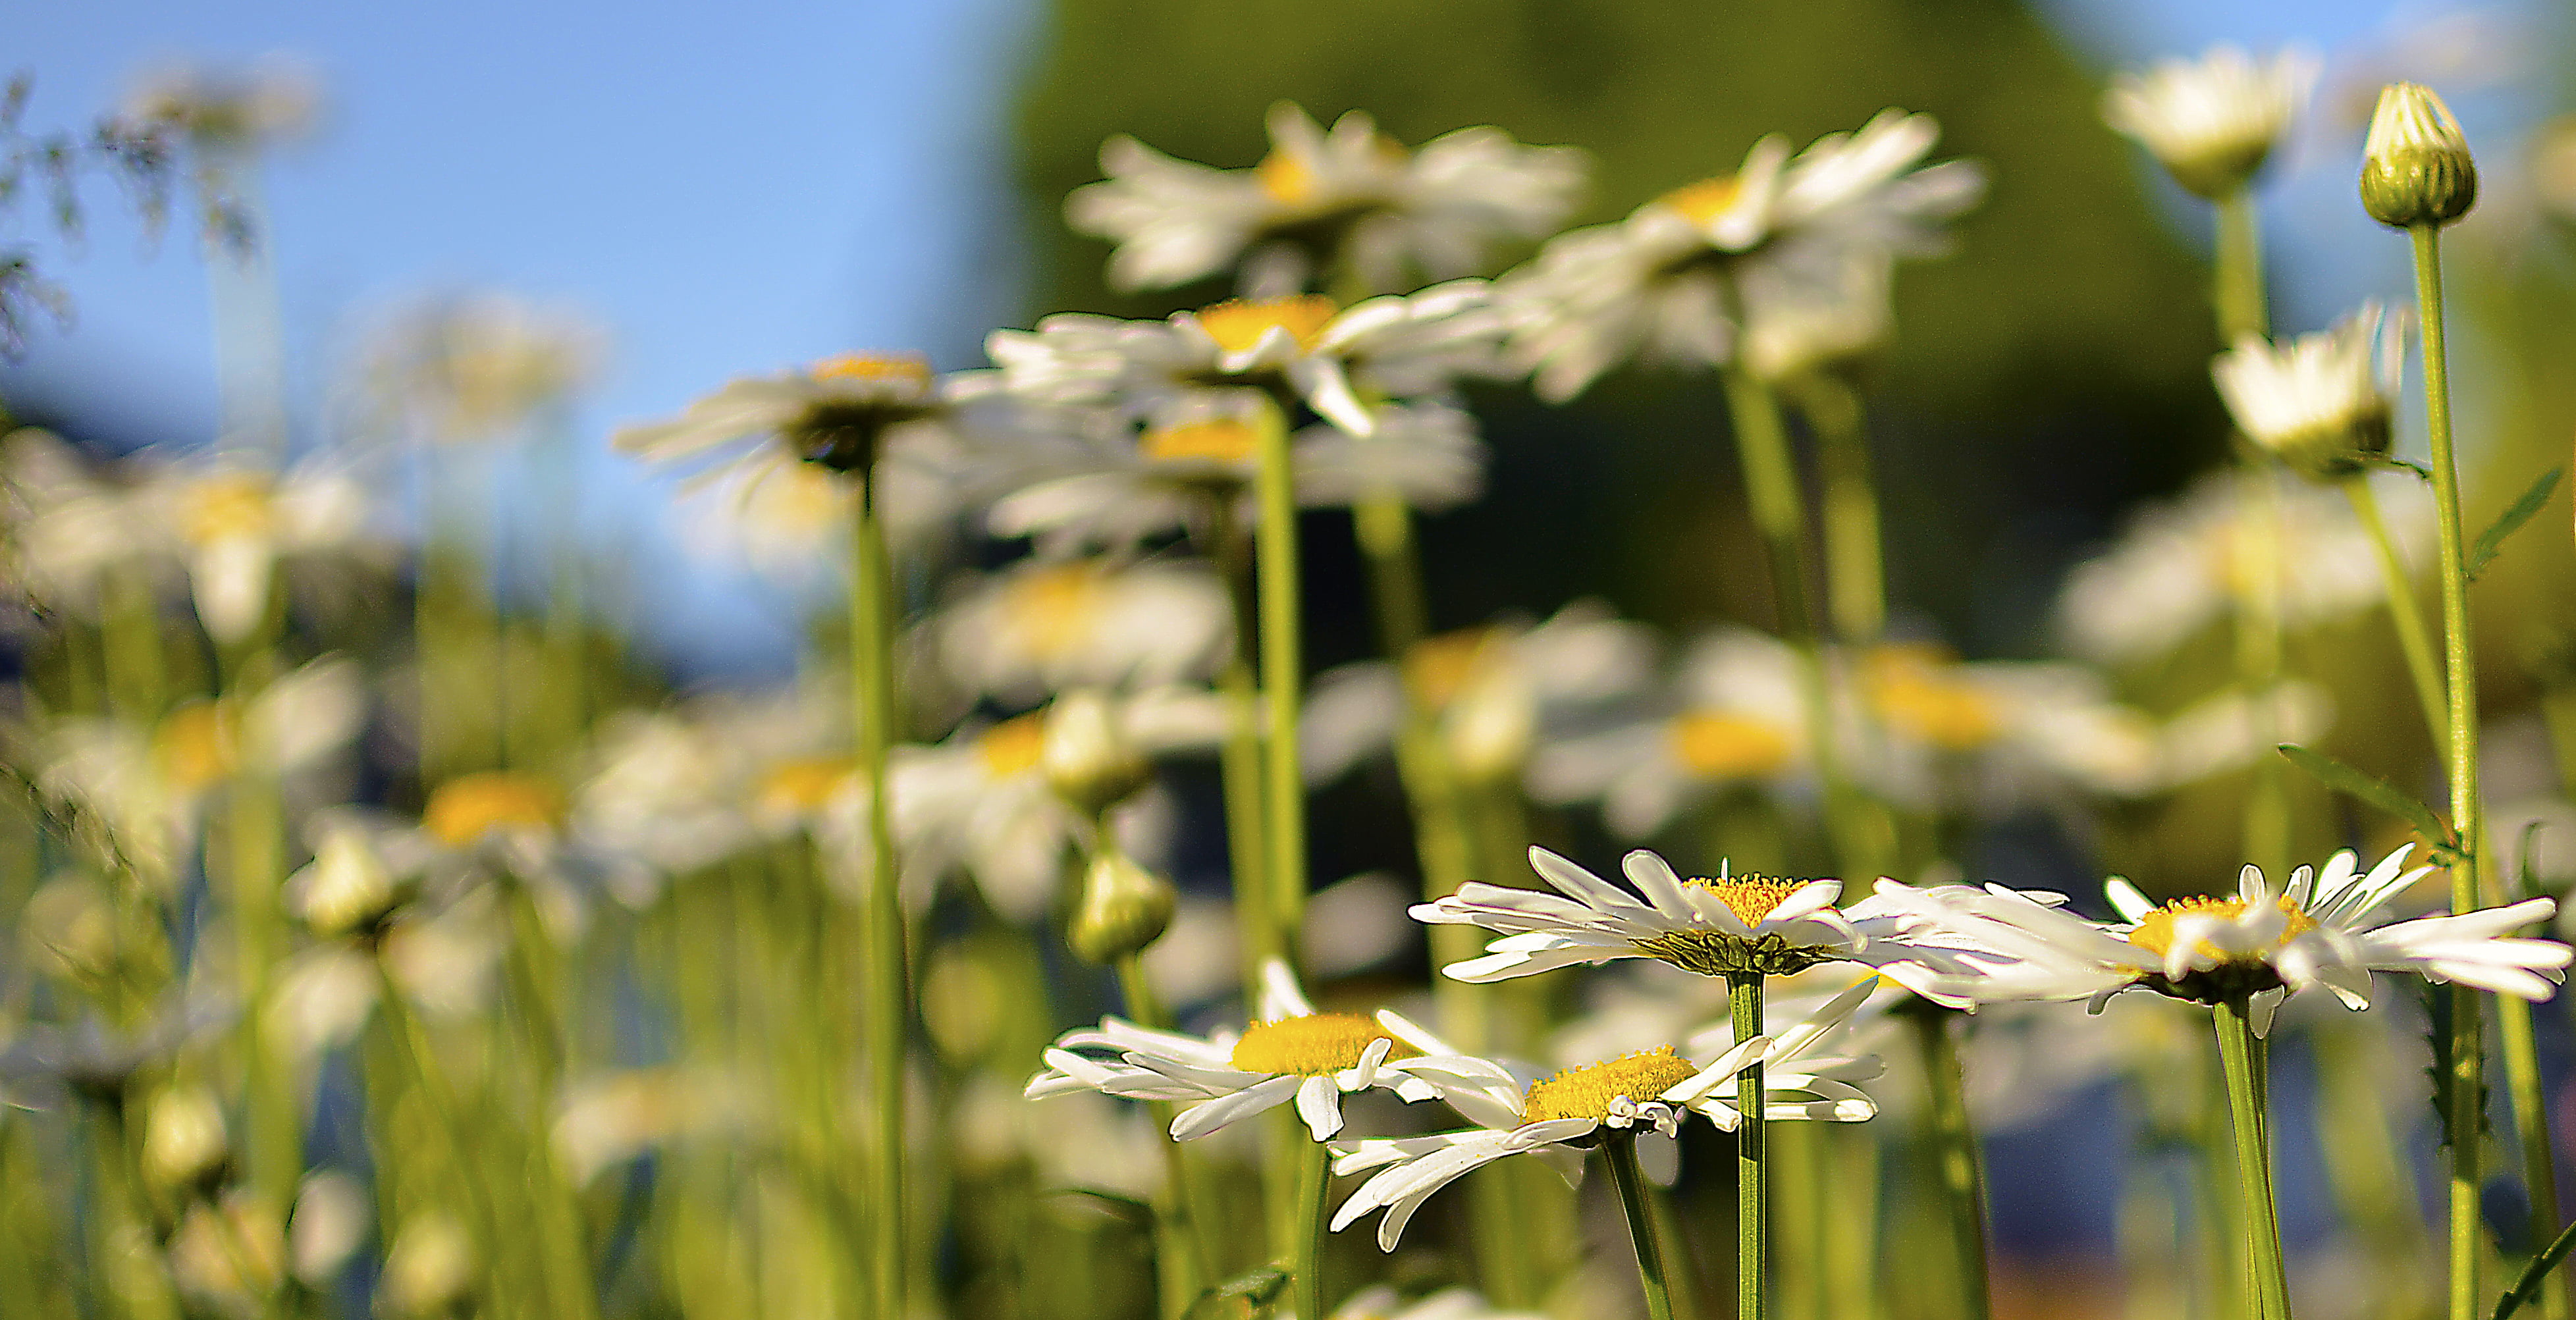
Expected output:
(2527, 1286)
(2511, 520)
(2377, 792)
(1241, 1295)
(1117, 1205)
(2422, 473)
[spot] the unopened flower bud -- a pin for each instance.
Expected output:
(2416, 168)
(184, 1145)
(1124, 908)
(430, 1270)
(347, 889)
(1088, 758)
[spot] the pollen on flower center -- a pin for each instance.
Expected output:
(468, 807)
(1588, 1091)
(1911, 693)
(1238, 324)
(1720, 746)
(899, 369)
(1441, 666)
(2155, 932)
(1013, 746)
(1706, 200)
(1054, 608)
(805, 783)
(1312, 1045)
(1751, 897)
(1217, 440)
(195, 745)
(219, 508)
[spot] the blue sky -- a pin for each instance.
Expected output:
(726, 193)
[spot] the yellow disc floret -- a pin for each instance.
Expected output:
(1588, 1091)
(1704, 201)
(1014, 745)
(1238, 324)
(2155, 932)
(804, 784)
(228, 506)
(909, 371)
(1221, 440)
(1751, 897)
(469, 807)
(1917, 690)
(1715, 745)
(1313, 1045)
(1053, 609)
(196, 746)
(1440, 667)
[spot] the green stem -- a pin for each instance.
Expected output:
(1282, 659)
(2403, 613)
(2526, 1285)
(2243, 1063)
(2531, 1130)
(2467, 1059)
(1855, 553)
(1313, 1188)
(888, 987)
(1622, 1151)
(1240, 759)
(2241, 300)
(1180, 1258)
(1779, 513)
(1963, 1187)
(1752, 1165)
(2242, 314)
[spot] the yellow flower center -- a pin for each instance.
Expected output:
(1239, 323)
(1441, 666)
(806, 783)
(1751, 897)
(1218, 440)
(1911, 691)
(469, 807)
(1714, 745)
(2155, 933)
(1704, 201)
(1013, 746)
(1587, 1092)
(1054, 608)
(1286, 178)
(231, 505)
(1314, 1045)
(874, 369)
(195, 746)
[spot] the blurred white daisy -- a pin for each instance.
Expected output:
(1736, 719)
(473, 367)
(236, 109)
(1560, 1117)
(2175, 567)
(1039, 628)
(1676, 280)
(2261, 943)
(1491, 691)
(2212, 121)
(1730, 926)
(1991, 736)
(1351, 199)
(2321, 403)
(1290, 1052)
(235, 526)
(67, 528)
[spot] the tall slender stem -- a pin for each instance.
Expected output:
(1855, 551)
(2467, 1057)
(2242, 308)
(2239, 1055)
(2404, 614)
(1282, 659)
(1622, 1152)
(1963, 1185)
(2242, 314)
(1314, 1183)
(1230, 545)
(1752, 1166)
(888, 986)
(1180, 1259)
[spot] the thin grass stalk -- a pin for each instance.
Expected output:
(888, 989)
(1621, 1151)
(1752, 1162)
(1282, 660)
(1180, 1256)
(1963, 1184)
(2404, 615)
(1247, 852)
(2365, 1161)
(1855, 550)
(255, 870)
(136, 1281)
(2530, 1105)
(2467, 1057)
(2242, 313)
(2243, 1064)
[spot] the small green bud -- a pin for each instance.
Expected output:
(2416, 168)
(1124, 908)
(184, 1145)
(1088, 758)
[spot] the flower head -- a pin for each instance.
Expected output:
(476, 366)
(2416, 168)
(2322, 402)
(2212, 121)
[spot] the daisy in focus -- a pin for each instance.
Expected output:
(1677, 280)
(1560, 1117)
(2213, 121)
(1347, 200)
(2321, 403)
(2260, 945)
(1733, 926)
(1290, 1052)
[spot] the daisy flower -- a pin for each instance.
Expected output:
(1990, 735)
(1039, 628)
(474, 367)
(66, 530)
(1291, 1052)
(1489, 689)
(2320, 403)
(1558, 1118)
(2212, 121)
(1351, 199)
(1732, 926)
(1736, 719)
(1675, 281)
(2261, 944)
(233, 527)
